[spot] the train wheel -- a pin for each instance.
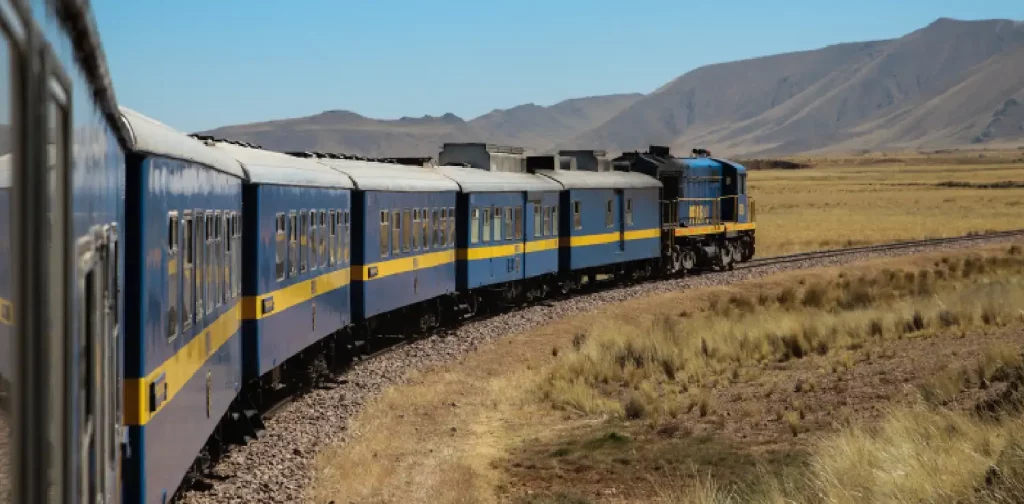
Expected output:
(725, 256)
(689, 260)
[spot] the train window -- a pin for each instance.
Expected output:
(279, 245)
(200, 240)
(406, 230)
(629, 212)
(437, 228)
(323, 238)
(384, 221)
(303, 240)
(225, 238)
(313, 232)
(509, 232)
(172, 276)
(238, 255)
(293, 243)
(609, 219)
(547, 221)
(186, 273)
(474, 226)
(451, 226)
(415, 228)
(332, 239)
(497, 224)
(347, 237)
(537, 229)
(517, 222)
(209, 262)
(577, 217)
(425, 225)
(487, 225)
(396, 231)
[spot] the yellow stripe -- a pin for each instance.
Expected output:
(599, 239)
(178, 369)
(747, 226)
(6, 312)
(172, 267)
(541, 245)
(297, 293)
(700, 230)
(475, 253)
(402, 265)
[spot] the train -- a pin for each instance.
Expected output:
(158, 289)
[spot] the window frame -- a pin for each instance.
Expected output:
(474, 226)
(294, 243)
(416, 229)
(629, 211)
(485, 233)
(385, 233)
(609, 219)
(280, 247)
(173, 253)
(577, 215)
(406, 230)
(497, 223)
(323, 253)
(188, 263)
(451, 226)
(303, 251)
(396, 231)
(538, 222)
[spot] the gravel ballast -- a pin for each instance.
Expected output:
(278, 467)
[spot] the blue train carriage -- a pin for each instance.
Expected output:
(61, 216)
(705, 201)
(403, 259)
(297, 249)
(507, 234)
(608, 219)
(183, 349)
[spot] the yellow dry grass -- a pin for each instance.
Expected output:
(449, 434)
(846, 202)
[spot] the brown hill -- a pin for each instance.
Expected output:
(950, 83)
(532, 126)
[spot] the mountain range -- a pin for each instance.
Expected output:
(950, 84)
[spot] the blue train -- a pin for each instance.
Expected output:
(159, 290)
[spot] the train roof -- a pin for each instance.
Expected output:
(391, 177)
(477, 180)
(270, 167)
(577, 179)
(740, 169)
(153, 137)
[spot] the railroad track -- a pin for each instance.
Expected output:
(803, 256)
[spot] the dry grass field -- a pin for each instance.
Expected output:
(840, 202)
(892, 380)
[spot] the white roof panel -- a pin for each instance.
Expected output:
(576, 179)
(270, 167)
(391, 177)
(153, 137)
(477, 180)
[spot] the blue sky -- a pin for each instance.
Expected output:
(200, 64)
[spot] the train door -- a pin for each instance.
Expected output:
(617, 215)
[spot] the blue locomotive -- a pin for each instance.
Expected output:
(158, 290)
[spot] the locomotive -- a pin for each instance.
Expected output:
(158, 289)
